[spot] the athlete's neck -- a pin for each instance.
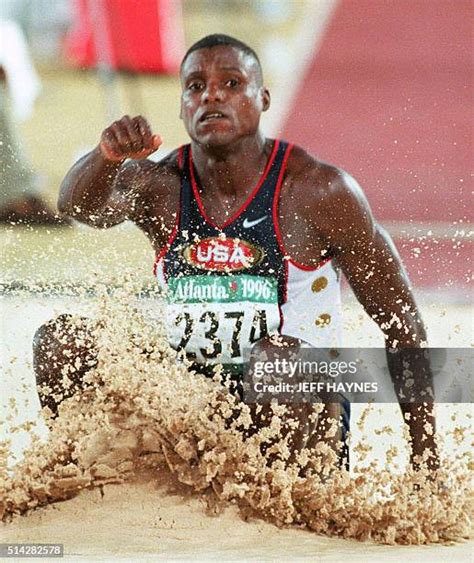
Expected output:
(231, 170)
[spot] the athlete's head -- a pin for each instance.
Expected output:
(222, 90)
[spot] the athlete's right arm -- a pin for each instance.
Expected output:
(101, 189)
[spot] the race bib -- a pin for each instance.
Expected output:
(214, 318)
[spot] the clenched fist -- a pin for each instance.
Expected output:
(129, 137)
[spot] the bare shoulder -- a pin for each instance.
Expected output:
(319, 181)
(327, 197)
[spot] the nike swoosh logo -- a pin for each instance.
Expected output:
(247, 224)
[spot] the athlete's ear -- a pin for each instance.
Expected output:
(265, 98)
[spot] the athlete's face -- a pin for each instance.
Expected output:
(222, 95)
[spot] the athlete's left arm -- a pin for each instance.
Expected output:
(372, 265)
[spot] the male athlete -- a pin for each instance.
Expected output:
(250, 233)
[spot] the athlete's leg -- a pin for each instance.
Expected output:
(306, 428)
(345, 428)
(332, 428)
(63, 352)
(296, 424)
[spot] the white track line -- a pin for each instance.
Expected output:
(304, 47)
(429, 230)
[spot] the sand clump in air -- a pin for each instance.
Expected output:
(146, 412)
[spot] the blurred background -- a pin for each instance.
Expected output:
(382, 88)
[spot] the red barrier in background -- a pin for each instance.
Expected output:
(133, 35)
(388, 97)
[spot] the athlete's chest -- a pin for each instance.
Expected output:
(223, 276)
(303, 216)
(257, 208)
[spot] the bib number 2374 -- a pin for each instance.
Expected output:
(219, 335)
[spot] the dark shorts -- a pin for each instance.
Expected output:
(345, 427)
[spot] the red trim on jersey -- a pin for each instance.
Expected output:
(285, 287)
(246, 203)
(277, 226)
(167, 246)
(309, 268)
(180, 157)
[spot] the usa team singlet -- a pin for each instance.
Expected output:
(229, 285)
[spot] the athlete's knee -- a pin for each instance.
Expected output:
(50, 333)
(62, 340)
(63, 352)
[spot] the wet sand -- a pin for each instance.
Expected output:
(148, 520)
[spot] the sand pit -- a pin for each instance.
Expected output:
(149, 520)
(107, 437)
